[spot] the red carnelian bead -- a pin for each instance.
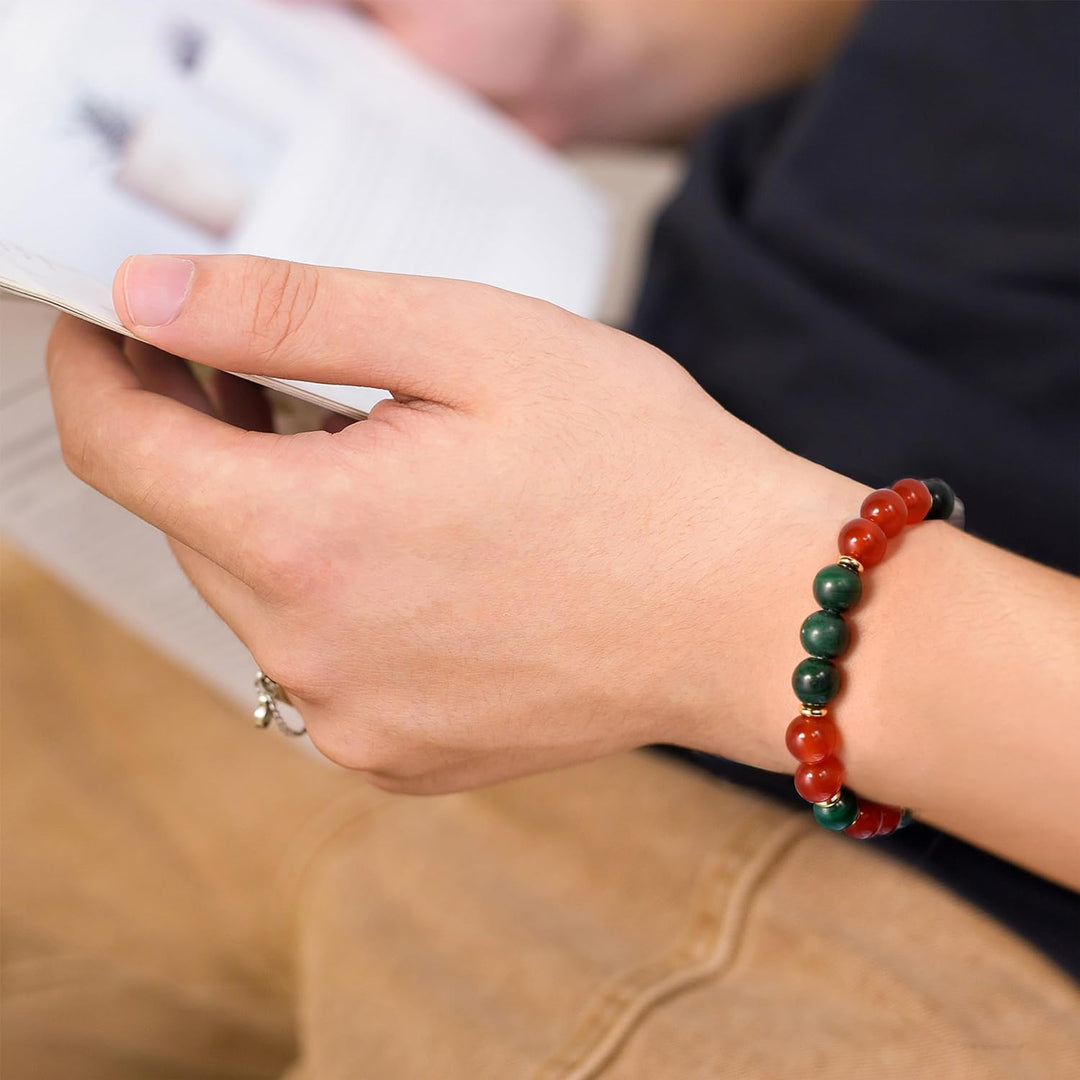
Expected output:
(917, 496)
(890, 820)
(863, 540)
(812, 738)
(868, 821)
(886, 509)
(819, 781)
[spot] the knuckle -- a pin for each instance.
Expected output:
(73, 450)
(283, 295)
(78, 447)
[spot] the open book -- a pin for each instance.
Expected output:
(297, 132)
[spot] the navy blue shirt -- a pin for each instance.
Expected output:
(881, 271)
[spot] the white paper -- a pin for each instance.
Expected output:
(214, 126)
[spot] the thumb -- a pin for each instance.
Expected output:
(422, 337)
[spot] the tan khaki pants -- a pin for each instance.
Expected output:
(185, 897)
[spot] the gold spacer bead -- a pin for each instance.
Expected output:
(813, 710)
(833, 801)
(850, 563)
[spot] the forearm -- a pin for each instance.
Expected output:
(960, 685)
(688, 58)
(969, 713)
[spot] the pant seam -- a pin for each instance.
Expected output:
(704, 951)
(318, 836)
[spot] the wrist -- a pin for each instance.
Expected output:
(956, 686)
(762, 560)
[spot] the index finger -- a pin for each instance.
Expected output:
(194, 477)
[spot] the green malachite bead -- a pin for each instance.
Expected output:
(824, 634)
(840, 815)
(836, 588)
(905, 820)
(815, 681)
(943, 499)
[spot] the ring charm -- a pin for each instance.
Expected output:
(270, 695)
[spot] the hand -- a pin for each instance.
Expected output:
(548, 548)
(553, 545)
(617, 69)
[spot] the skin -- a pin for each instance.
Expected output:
(618, 69)
(552, 546)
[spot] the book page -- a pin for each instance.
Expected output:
(215, 126)
(35, 277)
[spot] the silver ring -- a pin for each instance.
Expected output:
(267, 711)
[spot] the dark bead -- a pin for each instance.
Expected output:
(836, 588)
(943, 499)
(816, 681)
(840, 815)
(905, 820)
(824, 634)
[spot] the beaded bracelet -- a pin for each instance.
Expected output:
(812, 737)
